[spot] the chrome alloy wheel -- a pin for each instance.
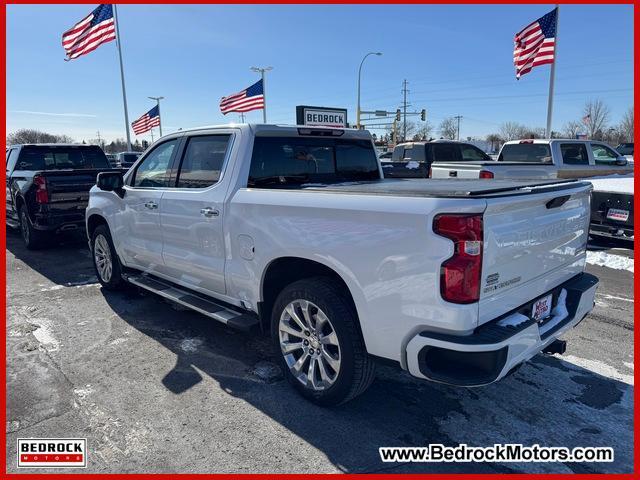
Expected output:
(309, 345)
(102, 257)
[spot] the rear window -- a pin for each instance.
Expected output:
(526, 153)
(36, 157)
(297, 160)
(129, 157)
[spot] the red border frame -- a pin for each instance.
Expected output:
(636, 287)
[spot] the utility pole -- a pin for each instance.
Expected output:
(458, 117)
(404, 108)
(151, 135)
(157, 99)
(100, 140)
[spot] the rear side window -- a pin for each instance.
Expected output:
(446, 152)
(297, 160)
(202, 161)
(36, 157)
(526, 153)
(574, 154)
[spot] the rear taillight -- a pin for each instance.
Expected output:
(460, 274)
(42, 195)
(486, 174)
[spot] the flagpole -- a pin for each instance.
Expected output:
(124, 92)
(264, 89)
(552, 75)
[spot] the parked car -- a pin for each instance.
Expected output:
(414, 159)
(48, 188)
(612, 207)
(293, 230)
(127, 159)
(542, 159)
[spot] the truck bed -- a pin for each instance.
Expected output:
(443, 188)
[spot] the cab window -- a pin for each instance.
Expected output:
(574, 154)
(154, 171)
(603, 155)
(202, 161)
(471, 153)
(446, 152)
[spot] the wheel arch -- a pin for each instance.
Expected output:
(283, 271)
(93, 221)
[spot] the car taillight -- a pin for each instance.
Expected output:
(486, 174)
(42, 195)
(460, 274)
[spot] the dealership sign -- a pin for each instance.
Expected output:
(321, 116)
(52, 452)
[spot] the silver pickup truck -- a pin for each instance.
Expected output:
(539, 159)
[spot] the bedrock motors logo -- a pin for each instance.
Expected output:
(52, 452)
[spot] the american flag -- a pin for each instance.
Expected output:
(251, 98)
(535, 44)
(90, 32)
(147, 121)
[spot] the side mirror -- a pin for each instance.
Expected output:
(621, 161)
(111, 182)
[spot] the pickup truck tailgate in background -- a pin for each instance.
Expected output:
(531, 244)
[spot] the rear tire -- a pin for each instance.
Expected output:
(33, 239)
(313, 323)
(105, 259)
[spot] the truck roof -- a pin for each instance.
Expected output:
(549, 140)
(289, 130)
(51, 145)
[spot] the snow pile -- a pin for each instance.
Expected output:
(604, 259)
(613, 183)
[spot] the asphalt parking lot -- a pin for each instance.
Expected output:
(157, 389)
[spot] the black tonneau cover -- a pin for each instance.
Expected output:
(444, 188)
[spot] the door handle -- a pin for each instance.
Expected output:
(151, 205)
(209, 212)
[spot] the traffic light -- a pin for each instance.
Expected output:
(398, 115)
(423, 115)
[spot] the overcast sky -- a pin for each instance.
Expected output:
(457, 59)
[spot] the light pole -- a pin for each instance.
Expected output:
(359, 75)
(264, 89)
(157, 99)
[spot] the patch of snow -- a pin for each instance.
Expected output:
(190, 345)
(629, 365)
(600, 368)
(83, 392)
(118, 341)
(609, 260)
(50, 289)
(558, 314)
(613, 183)
(44, 334)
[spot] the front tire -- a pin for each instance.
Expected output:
(320, 348)
(105, 259)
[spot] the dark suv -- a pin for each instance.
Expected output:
(414, 159)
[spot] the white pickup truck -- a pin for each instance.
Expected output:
(541, 158)
(294, 231)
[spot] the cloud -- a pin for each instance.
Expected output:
(54, 114)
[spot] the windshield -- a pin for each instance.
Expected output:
(51, 157)
(526, 153)
(298, 160)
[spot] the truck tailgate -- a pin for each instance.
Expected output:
(532, 243)
(70, 187)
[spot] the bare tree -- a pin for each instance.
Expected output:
(495, 140)
(423, 132)
(595, 117)
(512, 131)
(535, 132)
(572, 129)
(449, 128)
(29, 135)
(626, 126)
